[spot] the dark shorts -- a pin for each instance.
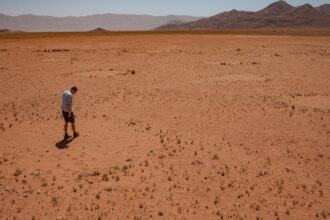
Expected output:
(66, 117)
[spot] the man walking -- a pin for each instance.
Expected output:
(68, 112)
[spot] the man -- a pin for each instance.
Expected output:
(68, 112)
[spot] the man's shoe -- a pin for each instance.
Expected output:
(76, 134)
(66, 136)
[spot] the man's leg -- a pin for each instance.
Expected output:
(66, 136)
(73, 127)
(65, 127)
(75, 133)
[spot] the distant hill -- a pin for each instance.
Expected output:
(4, 31)
(98, 30)
(278, 15)
(85, 23)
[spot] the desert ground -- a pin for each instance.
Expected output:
(172, 126)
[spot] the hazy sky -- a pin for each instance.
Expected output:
(154, 7)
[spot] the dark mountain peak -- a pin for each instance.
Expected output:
(98, 30)
(305, 10)
(279, 5)
(306, 7)
(4, 30)
(275, 8)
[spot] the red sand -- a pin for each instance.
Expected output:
(208, 127)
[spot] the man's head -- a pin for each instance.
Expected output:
(74, 90)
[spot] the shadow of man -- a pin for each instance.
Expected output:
(63, 144)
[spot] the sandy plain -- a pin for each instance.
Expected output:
(172, 126)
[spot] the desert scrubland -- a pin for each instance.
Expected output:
(172, 126)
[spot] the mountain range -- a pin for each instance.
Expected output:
(115, 22)
(278, 15)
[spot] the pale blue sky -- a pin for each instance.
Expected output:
(205, 8)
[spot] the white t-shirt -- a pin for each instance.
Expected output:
(67, 100)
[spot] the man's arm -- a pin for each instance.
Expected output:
(69, 109)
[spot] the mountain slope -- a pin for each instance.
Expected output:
(217, 21)
(324, 9)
